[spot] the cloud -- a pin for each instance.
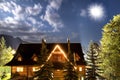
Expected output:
(32, 20)
(20, 12)
(55, 4)
(5, 6)
(35, 10)
(52, 16)
(28, 22)
(19, 20)
(10, 20)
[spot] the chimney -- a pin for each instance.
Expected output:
(43, 41)
(43, 46)
(74, 56)
(68, 41)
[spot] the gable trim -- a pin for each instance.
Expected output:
(57, 46)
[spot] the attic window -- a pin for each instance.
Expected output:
(34, 57)
(19, 58)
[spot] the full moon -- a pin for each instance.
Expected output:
(96, 11)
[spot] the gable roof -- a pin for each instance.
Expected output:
(28, 50)
(57, 50)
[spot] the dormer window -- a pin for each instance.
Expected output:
(34, 57)
(19, 58)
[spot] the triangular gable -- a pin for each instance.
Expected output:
(57, 50)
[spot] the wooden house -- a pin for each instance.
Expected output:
(25, 61)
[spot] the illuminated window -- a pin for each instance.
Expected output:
(82, 78)
(35, 69)
(80, 68)
(19, 58)
(58, 70)
(35, 58)
(75, 68)
(19, 69)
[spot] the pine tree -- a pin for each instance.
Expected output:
(5, 52)
(92, 61)
(45, 71)
(43, 53)
(70, 73)
(110, 49)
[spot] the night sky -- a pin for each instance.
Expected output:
(56, 20)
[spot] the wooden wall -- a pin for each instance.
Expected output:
(27, 70)
(58, 74)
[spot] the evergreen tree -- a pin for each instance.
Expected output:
(5, 52)
(45, 71)
(70, 73)
(110, 49)
(43, 53)
(92, 61)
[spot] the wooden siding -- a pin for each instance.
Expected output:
(27, 71)
(58, 74)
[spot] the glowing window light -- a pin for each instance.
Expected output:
(57, 47)
(75, 67)
(58, 70)
(80, 68)
(35, 59)
(19, 58)
(19, 69)
(82, 78)
(35, 69)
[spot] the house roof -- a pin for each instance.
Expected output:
(26, 51)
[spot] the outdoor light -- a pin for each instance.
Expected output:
(61, 51)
